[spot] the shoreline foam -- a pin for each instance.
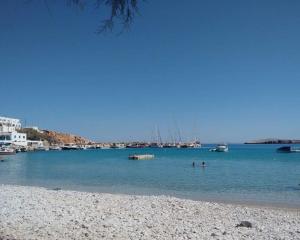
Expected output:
(39, 213)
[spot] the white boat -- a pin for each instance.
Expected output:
(141, 156)
(195, 144)
(70, 147)
(105, 146)
(41, 148)
(90, 146)
(55, 148)
(117, 145)
(220, 148)
(7, 151)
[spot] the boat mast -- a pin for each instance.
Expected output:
(159, 140)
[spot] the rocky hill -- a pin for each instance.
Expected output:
(65, 137)
(53, 137)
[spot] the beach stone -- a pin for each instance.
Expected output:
(83, 226)
(245, 224)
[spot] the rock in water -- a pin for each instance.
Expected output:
(245, 224)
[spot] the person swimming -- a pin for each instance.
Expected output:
(193, 164)
(203, 164)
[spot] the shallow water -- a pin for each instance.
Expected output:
(246, 174)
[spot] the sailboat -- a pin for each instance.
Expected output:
(158, 143)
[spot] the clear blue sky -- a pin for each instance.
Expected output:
(219, 70)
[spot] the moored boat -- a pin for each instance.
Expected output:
(7, 151)
(169, 145)
(41, 148)
(55, 148)
(70, 147)
(288, 149)
(141, 156)
(136, 145)
(156, 145)
(194, 144)
(118, 145)
(105, 146)
(21, 149)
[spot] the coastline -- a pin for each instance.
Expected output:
(40, 213)
(151, 192)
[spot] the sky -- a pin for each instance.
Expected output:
(219, 71)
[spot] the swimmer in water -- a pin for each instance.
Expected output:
(193, 164)
(203, 164)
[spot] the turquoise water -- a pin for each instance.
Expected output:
(247, 173)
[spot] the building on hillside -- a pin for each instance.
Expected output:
(9, 124)
(9, 134)
(33, 128)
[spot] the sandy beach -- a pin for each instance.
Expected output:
(39, 213)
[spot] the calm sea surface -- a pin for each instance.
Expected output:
(247, 173)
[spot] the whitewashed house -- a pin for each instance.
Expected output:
(9, 134)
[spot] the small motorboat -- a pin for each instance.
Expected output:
(220, 148)
(41, 148)
(287, 149)
(141, 156)
(4, 151)
(118, 146)
(55, 148)
(70, 147)
(23, 149)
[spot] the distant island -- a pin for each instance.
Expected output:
(274, 141)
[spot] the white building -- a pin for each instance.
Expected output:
(34, 128)
(19, 139)
(9, 134)
(9, 124)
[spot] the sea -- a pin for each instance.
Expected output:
(247, 174)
